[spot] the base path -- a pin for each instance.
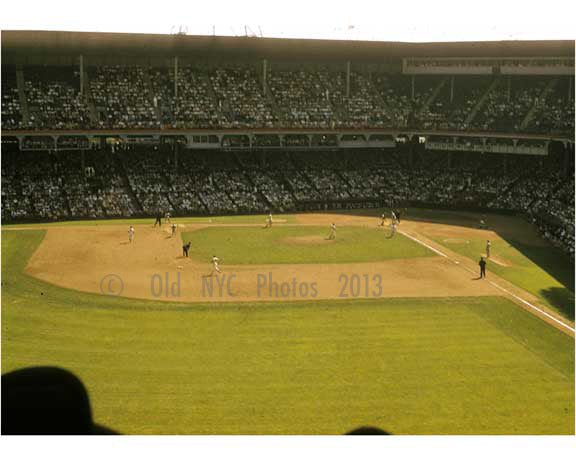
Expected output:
(87, 258)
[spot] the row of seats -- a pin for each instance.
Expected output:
(143, 181)
(235, 97)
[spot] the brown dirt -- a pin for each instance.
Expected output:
(308, 240)
(80, 257)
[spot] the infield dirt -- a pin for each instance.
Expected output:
(81, 257)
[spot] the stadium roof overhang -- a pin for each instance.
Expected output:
(57, 43)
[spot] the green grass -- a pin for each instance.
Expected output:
(242, 219)
(249, 245)
(542, 271)
(410, 366)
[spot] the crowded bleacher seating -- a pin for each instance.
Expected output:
(229, 96)
(142, 181)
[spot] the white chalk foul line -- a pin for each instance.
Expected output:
(532, 306)
(424, 244)
(551, 317)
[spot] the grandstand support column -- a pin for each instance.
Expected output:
(452, 89)
(412, 83)
(22, 94)
(570, 83)
(175, 147)
(508, 88)
(347, 79)
(82, 161)
(495, 83)
(538, 102)
(81, 75)
(176, 76)
(568, 155)
(264, 75)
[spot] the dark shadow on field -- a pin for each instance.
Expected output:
(549, 259)
(557, 265)
(561, 298)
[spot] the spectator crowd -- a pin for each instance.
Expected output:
(143, 181)
(238, 96)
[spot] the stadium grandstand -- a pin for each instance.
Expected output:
(101, 125)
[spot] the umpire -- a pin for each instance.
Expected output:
(482, 264)
(185, 249)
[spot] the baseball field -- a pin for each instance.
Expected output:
(298, 333)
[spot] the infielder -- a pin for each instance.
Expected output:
(332, 235)
(131, 234)
(215, 265)
(268, 222)
(167, 216)
(173, 229)
(382, 220)
(488, 245)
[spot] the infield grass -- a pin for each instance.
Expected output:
(409, 366)
(300, 244)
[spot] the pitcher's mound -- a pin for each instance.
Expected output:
(308, 240)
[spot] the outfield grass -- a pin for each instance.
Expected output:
(300, 244)
(410, 366)
(543, 271)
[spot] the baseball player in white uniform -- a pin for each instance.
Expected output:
(173, 229)
(488, 245)
(215, 265)
(131, 234)
(268, 221)
(332, 235)
(382, 220)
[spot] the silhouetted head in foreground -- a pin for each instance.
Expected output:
(46, 401)
(368, 430)
(53, 401)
